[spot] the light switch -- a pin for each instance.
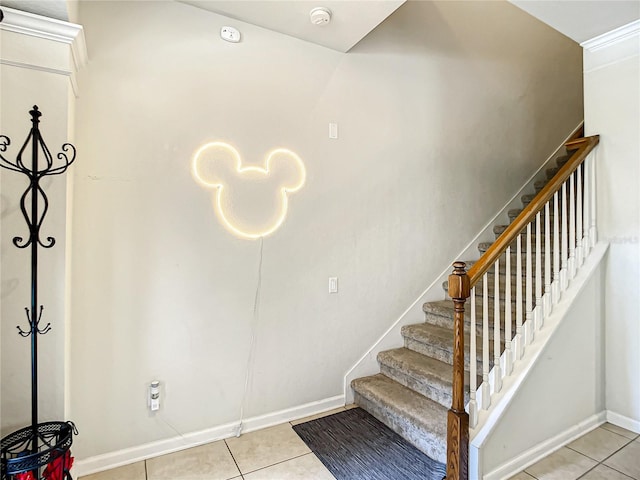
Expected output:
(333, 130)
(333, 284)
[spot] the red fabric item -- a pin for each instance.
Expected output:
(25, 476)
(55, 470)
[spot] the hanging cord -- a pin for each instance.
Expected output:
(252, 346)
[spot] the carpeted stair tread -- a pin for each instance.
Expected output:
(416, 418)
(425, 375)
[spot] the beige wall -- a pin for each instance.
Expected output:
(444, 111)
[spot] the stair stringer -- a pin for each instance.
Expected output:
(518, 430)
(367, 364)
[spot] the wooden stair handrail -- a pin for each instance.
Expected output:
(460, 284)
(584, 147)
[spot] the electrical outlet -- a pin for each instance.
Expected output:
(154, 396)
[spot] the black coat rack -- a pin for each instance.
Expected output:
(47, 444)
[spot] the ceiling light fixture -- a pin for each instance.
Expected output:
(320, 16)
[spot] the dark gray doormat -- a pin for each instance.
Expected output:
(353, 445)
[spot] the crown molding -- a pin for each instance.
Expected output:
(46, 28)
(611, 38)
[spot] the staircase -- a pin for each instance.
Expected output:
(413, 391)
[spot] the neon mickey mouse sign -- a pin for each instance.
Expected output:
(249, 201)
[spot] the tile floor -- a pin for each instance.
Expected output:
(277, 453)
(606, 453)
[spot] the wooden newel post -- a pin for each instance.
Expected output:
(458, 418)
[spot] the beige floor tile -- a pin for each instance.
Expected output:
(627, 460)
(263, 448)
(135, 471)
(599, 444)
(206, 462)
(602, 472)
(307, 467)
(565, 464)
(318, 415)
(522, 476)
(619, 430)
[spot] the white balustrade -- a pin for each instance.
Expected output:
(556, 249)
(579, 202)
(529, 326)
(564, 278)
(539, 308)
(547, 296)
(593, 232)
(572, 227)
(586, 241)
(519, 332)
(497, 371)
(560, 247)
(486, 389)
(508, 355)
(473, 355)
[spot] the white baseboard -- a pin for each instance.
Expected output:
(126, 456)
(537, 453)
(622, 421)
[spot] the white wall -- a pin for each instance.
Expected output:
(431, 106)
(34, 71)
(612, 110)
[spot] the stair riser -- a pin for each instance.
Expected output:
(443, 355)
(435, 392)
(447, 322)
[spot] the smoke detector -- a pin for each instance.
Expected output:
(320, 16)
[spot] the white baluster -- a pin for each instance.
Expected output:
(564, 278)
(473, 379)
(586, 241)
(529, 326)
(508, 355)
(579, 202)
(519, 333)
(486, 388)
(547, 297)
(497, 371)
(593, 231)
(556, 249)
(539, 308)
(572, 227)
